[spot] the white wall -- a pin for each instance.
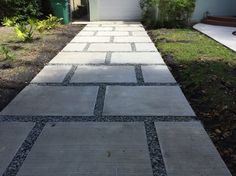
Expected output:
(215, 7)
(115, 10)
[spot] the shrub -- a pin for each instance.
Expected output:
(21, 8)
(24, 29)
(6, 52)
(171, 13)
(50, 23)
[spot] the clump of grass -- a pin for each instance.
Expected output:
(6, 52)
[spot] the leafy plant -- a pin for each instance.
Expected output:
(50, 23)
(6, 52)
(10, 22)
(25, 31)
(167, 13)
(21, 8)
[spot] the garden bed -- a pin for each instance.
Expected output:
(29, 58)
(206, 72)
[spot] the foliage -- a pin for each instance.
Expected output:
(149, 10)
(24, 29)
(21, 8)
(10, 21)
(6, 52)
(167, 13)
(50, 23)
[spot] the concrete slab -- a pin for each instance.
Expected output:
(132, 39)
(221, 34)
(104, 74)
(92, 39)
(75, 47)
(146, 101)
(12, 135)
(109, 47)
(79, 58)
(113, 33)
(86, 33)
(157, 74)
(53, 101)
(145, 47)
(136, 58)
(122, 25)
(52, 74)
(89, 149)
(187, 150)
(129, 29)
(98, 29)
(140, 33)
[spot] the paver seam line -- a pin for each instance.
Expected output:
(95, 33)
(112, 51)
(25, 148)
(103, 64)
(98, 109)
(133, 46)
(108, 58)
(139, 75)
(5, 118)
(156, 158)
(86, 47)
(69, 75)
(112, 39)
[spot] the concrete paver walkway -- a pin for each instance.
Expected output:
(106, 105)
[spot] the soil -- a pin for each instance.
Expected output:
(29, 58)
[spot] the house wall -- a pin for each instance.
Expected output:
(74, 4)
(215, 7)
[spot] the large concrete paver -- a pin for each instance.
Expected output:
(146, 101)
(85, 33)
(52, 74)
(53, 101)
(136, 58)
(89, 149)
(75, 47)
(157, 74)
(93, 39)
(112, 33)
(187, 150)
(110, 47)
(129, 39)
(79, 58)
(145, 47)
(104, 74)
(97, 28)
(12, 135)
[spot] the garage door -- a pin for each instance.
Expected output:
(117, 10)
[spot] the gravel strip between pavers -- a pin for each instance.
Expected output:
(156, 158)
(25, 148)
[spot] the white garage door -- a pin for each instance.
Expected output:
(117, 10)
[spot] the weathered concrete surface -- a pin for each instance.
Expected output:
(187, 150)
(53, 101)
(12, 135)
(89, 149)
(146, 101)
(104, 74)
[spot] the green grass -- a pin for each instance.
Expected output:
(206, 71)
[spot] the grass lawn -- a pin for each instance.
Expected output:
(206, 71)
(30, 57)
